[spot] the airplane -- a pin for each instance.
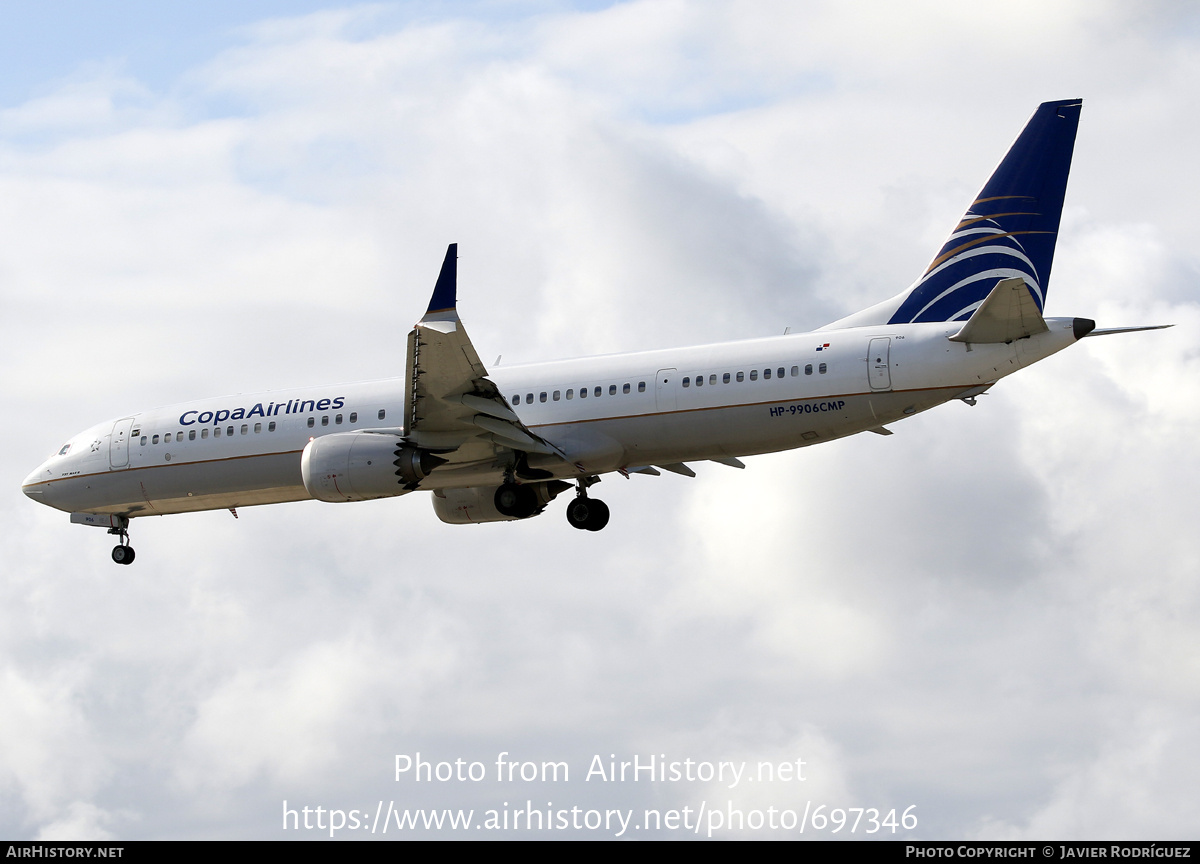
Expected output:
(501, 444)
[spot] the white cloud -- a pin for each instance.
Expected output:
(80, 822)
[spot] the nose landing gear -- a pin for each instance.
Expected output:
(122, 553)
(587, 514)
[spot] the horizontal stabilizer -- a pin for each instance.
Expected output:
(1007, 313)
(1111, 330)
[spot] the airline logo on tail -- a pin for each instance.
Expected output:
(1009, 231)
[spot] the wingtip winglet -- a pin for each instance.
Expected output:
(445, 292)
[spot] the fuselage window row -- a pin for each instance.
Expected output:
(191, 435)
(726, 378)
(557, 395)
(739, 377)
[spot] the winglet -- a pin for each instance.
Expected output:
(445, 292)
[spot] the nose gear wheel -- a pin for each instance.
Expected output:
(122, 553)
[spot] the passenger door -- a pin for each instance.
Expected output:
(878, 369)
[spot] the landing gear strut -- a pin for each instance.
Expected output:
(589, 514)
(122, 553)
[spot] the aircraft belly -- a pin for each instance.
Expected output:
(741, 430)
(186, 486)
(181, 487)
(746, 430)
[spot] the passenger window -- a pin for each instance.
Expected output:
(795, 371)
(337, 420)
(324, 422)
(687, 382)
(179, 437)
(191, 434)
(382, 413)
(228, 431)
(557, 395)
(699, 380)
(312, 421)
(246, 428)
(807, 368)
(625, 389)
(257, 428)
(766, 374)
(143, 440)
(582, 392)
(779, 372)
(822, 368)
(353, 419)
(155, 439)
(753, 374)
(712, 379)
(203, 433)
(598, 391)
(725, 378)
(217, 432)
(542, 396)
(571, 394)
(741, 376)
(612, 389)
(271, 426)
(517, 399)
(641, 386)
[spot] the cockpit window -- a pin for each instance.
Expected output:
(63, 451)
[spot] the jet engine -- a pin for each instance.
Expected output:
(495, 503)
(357, 466)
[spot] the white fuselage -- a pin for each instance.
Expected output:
(640, 409)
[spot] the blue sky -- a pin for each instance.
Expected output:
(44, 43)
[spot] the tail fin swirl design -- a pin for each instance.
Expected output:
(1010, 229)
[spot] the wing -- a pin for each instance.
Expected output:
(450, 406)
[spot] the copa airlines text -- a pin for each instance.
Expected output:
(501, 444)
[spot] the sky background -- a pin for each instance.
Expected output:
(992, 614)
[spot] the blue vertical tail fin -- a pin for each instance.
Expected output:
(1010, 229)
(1008, 232)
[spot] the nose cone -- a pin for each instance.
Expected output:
(35, 486)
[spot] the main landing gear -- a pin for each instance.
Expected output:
(588, 514)
(122, 553)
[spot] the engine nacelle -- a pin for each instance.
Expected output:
(478, 503)
(358, 466)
